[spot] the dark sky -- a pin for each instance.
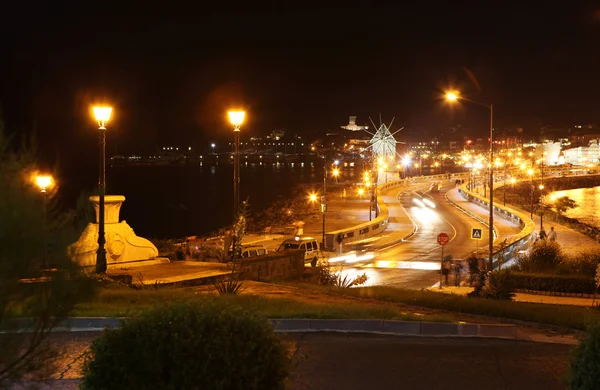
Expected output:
(172, 71)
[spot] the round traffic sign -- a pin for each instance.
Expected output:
(443, 239)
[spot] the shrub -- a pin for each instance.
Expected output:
(554, 283)
(500, 285)
(544, 257)
(584, 373)
(201, 345)
(586, 263)
(229, 287)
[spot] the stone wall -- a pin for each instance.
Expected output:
(274, 266)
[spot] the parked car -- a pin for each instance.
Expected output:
(253, 251)
(307, 244)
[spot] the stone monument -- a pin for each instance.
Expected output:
(122, 245)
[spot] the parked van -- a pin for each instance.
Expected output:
(253, 251)
(307, 244)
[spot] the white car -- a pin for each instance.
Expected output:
(307, 244)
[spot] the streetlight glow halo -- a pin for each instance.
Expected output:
(236, 117)
(43, 182)
(102, 114)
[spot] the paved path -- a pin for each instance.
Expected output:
(364, 361)
(523, 297)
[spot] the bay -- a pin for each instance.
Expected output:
(588, 204)
(178, 201)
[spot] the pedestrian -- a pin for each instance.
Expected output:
(457, 268)
(446, 269)
(473, 268)
(552, 235)
(542, 235)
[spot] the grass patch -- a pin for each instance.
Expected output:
(575, 317)
(123, 302)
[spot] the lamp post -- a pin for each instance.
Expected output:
(541, 207)
(454, 97)
(44, 182)
(530, 173)
(236, 118)
(324, 200)
(102, 115)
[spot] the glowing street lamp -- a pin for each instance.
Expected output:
(102, 115)
(236, 118)
(44, 182)
(453, 96)
(312, 198)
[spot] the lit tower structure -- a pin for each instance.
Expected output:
(383, 151)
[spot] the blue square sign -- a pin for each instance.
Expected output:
(476, 234)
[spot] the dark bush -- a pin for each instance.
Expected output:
(201, 345)
(544, 257)
(586, 263)
(499, 285)
(554, 283)
(584, 373)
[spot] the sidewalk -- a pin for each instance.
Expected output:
(572, 242)
(521, 297)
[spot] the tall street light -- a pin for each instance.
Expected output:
(44, 182)
(102, 115)
(530, 173)
(236, 118)
(324, 200)
(452, 97)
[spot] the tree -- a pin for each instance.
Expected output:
(563, 204)
(45, 297)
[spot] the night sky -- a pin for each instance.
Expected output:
(171, 71)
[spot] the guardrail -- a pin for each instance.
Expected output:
(514, 244)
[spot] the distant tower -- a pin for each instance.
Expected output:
(352, 126)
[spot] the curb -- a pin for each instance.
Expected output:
(290, 325)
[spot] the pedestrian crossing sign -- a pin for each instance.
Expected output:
(476, 233)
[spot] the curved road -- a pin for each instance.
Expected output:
(415, 262)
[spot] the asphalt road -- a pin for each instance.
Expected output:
(415, 262)
(363, 361)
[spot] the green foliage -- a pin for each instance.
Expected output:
(559, 315)
(205, 345)
(329, 276)
(233, 286)
(585, 263)
(554, 283)
(500, 285)
(37, 279)
(584, 373)
(479, 283)
(239, 231)
(544, 256)
(286, 212)
(164, 246)
(563, 204)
